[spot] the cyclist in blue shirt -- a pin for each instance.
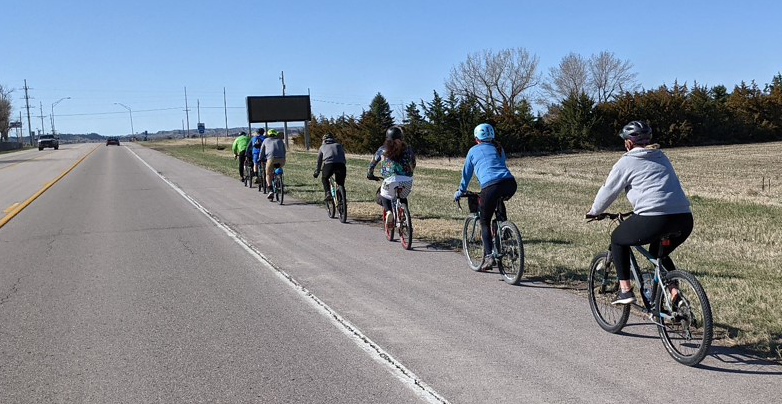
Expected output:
(487, 160)
(255, 144)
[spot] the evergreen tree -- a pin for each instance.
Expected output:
(374, 123)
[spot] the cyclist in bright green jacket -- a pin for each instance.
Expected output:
(240, 151)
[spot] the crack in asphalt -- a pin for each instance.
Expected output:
(12, 291)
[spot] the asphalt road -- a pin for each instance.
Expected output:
(139, 278)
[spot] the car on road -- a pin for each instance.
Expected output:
(112, 140)
(48, 141)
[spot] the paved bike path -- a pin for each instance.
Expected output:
(468, 335)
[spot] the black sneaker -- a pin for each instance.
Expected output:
(270, 196)
(625, 298)
(327, 198)
(241, 179)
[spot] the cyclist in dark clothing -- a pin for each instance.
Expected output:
(331, 158)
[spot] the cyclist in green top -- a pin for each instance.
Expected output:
(240, 151)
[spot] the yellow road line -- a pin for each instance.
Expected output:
(11, 207)
(19, 207)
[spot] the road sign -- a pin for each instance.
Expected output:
(201, 128)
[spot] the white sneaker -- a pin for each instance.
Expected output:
(270, 196)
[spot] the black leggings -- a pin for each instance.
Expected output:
(340, 172)
(242, 155)
(489, 197)
(642, 230)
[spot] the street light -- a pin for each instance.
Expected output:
(132, 132)
(53, 105)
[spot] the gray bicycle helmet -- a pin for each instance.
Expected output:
(638, 132)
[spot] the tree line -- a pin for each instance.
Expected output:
(587, 101)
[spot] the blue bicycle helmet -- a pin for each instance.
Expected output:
(484, 132)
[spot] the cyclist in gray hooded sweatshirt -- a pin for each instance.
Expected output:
(332, 157)
(659, 203)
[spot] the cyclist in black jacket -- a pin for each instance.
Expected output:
(331, 157)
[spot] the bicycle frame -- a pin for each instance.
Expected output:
(657, 276)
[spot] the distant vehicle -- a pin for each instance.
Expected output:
(48, 141)
(112, 140)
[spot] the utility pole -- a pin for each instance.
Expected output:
(284, 124)
(43, 128)
(225, 109)
(27, 103)
(187, 114)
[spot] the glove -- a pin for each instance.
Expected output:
(457, 195)
(315, 174)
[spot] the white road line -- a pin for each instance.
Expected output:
(378, 354)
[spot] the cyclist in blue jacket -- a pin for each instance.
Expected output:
(487, 160)
(255, 143)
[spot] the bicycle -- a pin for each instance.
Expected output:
(508, 249)
(402, 223)
(262, 177)
(278, 184)
(338, 202)
(684, 324)
(248, 170)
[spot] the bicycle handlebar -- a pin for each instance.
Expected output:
(606, 215)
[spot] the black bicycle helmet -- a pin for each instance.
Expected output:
(394, 132)
(328, 136)
(637, 131)
(259, 131)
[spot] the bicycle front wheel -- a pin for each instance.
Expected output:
(472, 244)
(603, 289)
(686, 326)
(511, 265)
(342, 204)
(332, 207)
(405, 226)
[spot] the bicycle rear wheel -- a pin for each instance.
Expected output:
(603, 289)
(686, 329)
(248, 176)
(511, 265)
(280, 188)
(405, 226)
(472, 244)
(342, 204)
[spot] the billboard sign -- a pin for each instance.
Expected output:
(285, 108)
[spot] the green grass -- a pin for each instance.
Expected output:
(734, 249)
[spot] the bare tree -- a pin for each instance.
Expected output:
(5, 112)
(610, 76)
(498, 81)
(568, 79)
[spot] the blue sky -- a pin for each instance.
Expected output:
(144, 53)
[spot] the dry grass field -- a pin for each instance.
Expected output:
(736, 193)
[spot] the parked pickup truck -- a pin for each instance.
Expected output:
(48, 141)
